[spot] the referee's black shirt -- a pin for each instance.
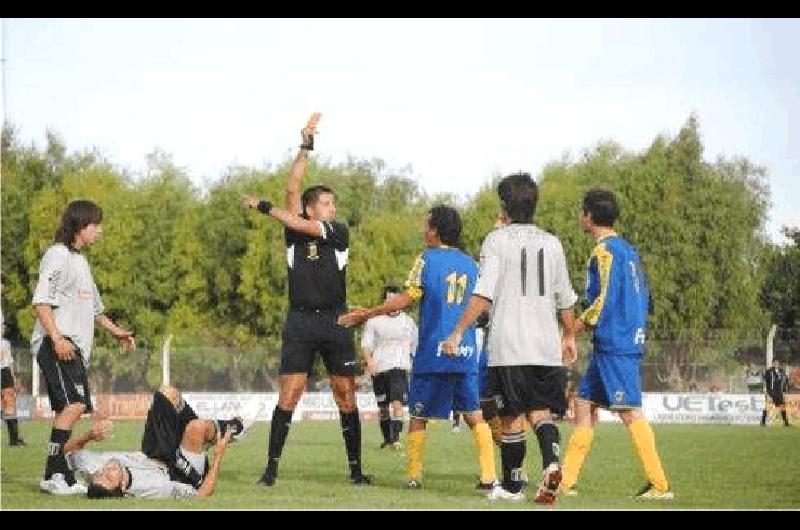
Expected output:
(776, 380)
(317, 267)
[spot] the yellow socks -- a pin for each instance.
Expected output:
(578, 447)
(485, 446)
(415, 450)
(645, 443)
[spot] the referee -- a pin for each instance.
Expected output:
(316, 251)
(777, 382)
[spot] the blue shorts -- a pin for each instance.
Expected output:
(435, 395)
(613, 381)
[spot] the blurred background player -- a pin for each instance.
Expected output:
(388, 343)
(9, 386)
(776, 382)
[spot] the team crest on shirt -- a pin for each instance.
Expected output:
(313, 251)
(419, 408)
(619, 396)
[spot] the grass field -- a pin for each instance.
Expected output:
(708, 466)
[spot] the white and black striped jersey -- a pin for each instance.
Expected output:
(524, 273)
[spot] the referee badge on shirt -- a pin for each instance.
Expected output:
(619, 396)
(313, 252)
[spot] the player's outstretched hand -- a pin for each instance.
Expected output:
(354, 317)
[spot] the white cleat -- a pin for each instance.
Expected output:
(57, 485)
(498, 493)
(248, 414)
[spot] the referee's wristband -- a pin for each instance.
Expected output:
(264, 207)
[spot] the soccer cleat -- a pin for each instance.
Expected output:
(21, 443)
(361, 480)
(397, 446)
(385, 444)
(267, 479)
(57, 485)
(248, 418)
(485, 486)
(551, 480)
(568, 492)
(498, 493)
(414, 484)
(649, 491)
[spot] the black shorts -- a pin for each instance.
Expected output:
(163, 432)
(391, 385)
(307, 332)
(778, 399)
(67, 381)
(7, 378)
(521, 389)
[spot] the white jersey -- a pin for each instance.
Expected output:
(524, 274)
(66, 284)
(392, 341)
(6, 360)
(149, 478)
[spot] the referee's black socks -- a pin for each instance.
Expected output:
(351, 432)
(278, 430)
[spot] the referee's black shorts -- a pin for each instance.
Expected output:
(777, 398)
(67, 381)
(522, 389)
(308, 331)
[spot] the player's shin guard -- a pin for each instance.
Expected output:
(512, 454)
(415, 451)
(645, 443)
(483, 442)
(278, 431)
(578, 447)
(549, 439)
(351, 431)
(56, 462)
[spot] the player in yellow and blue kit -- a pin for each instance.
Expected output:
(618, 297)
(442, 280)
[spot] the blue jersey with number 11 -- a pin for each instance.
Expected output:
(443, 279)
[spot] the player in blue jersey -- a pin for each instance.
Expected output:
(618, 297)
(442, 280)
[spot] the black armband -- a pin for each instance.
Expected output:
(308, 141)
(264, 207)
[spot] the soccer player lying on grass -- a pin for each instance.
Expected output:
(172, 463)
